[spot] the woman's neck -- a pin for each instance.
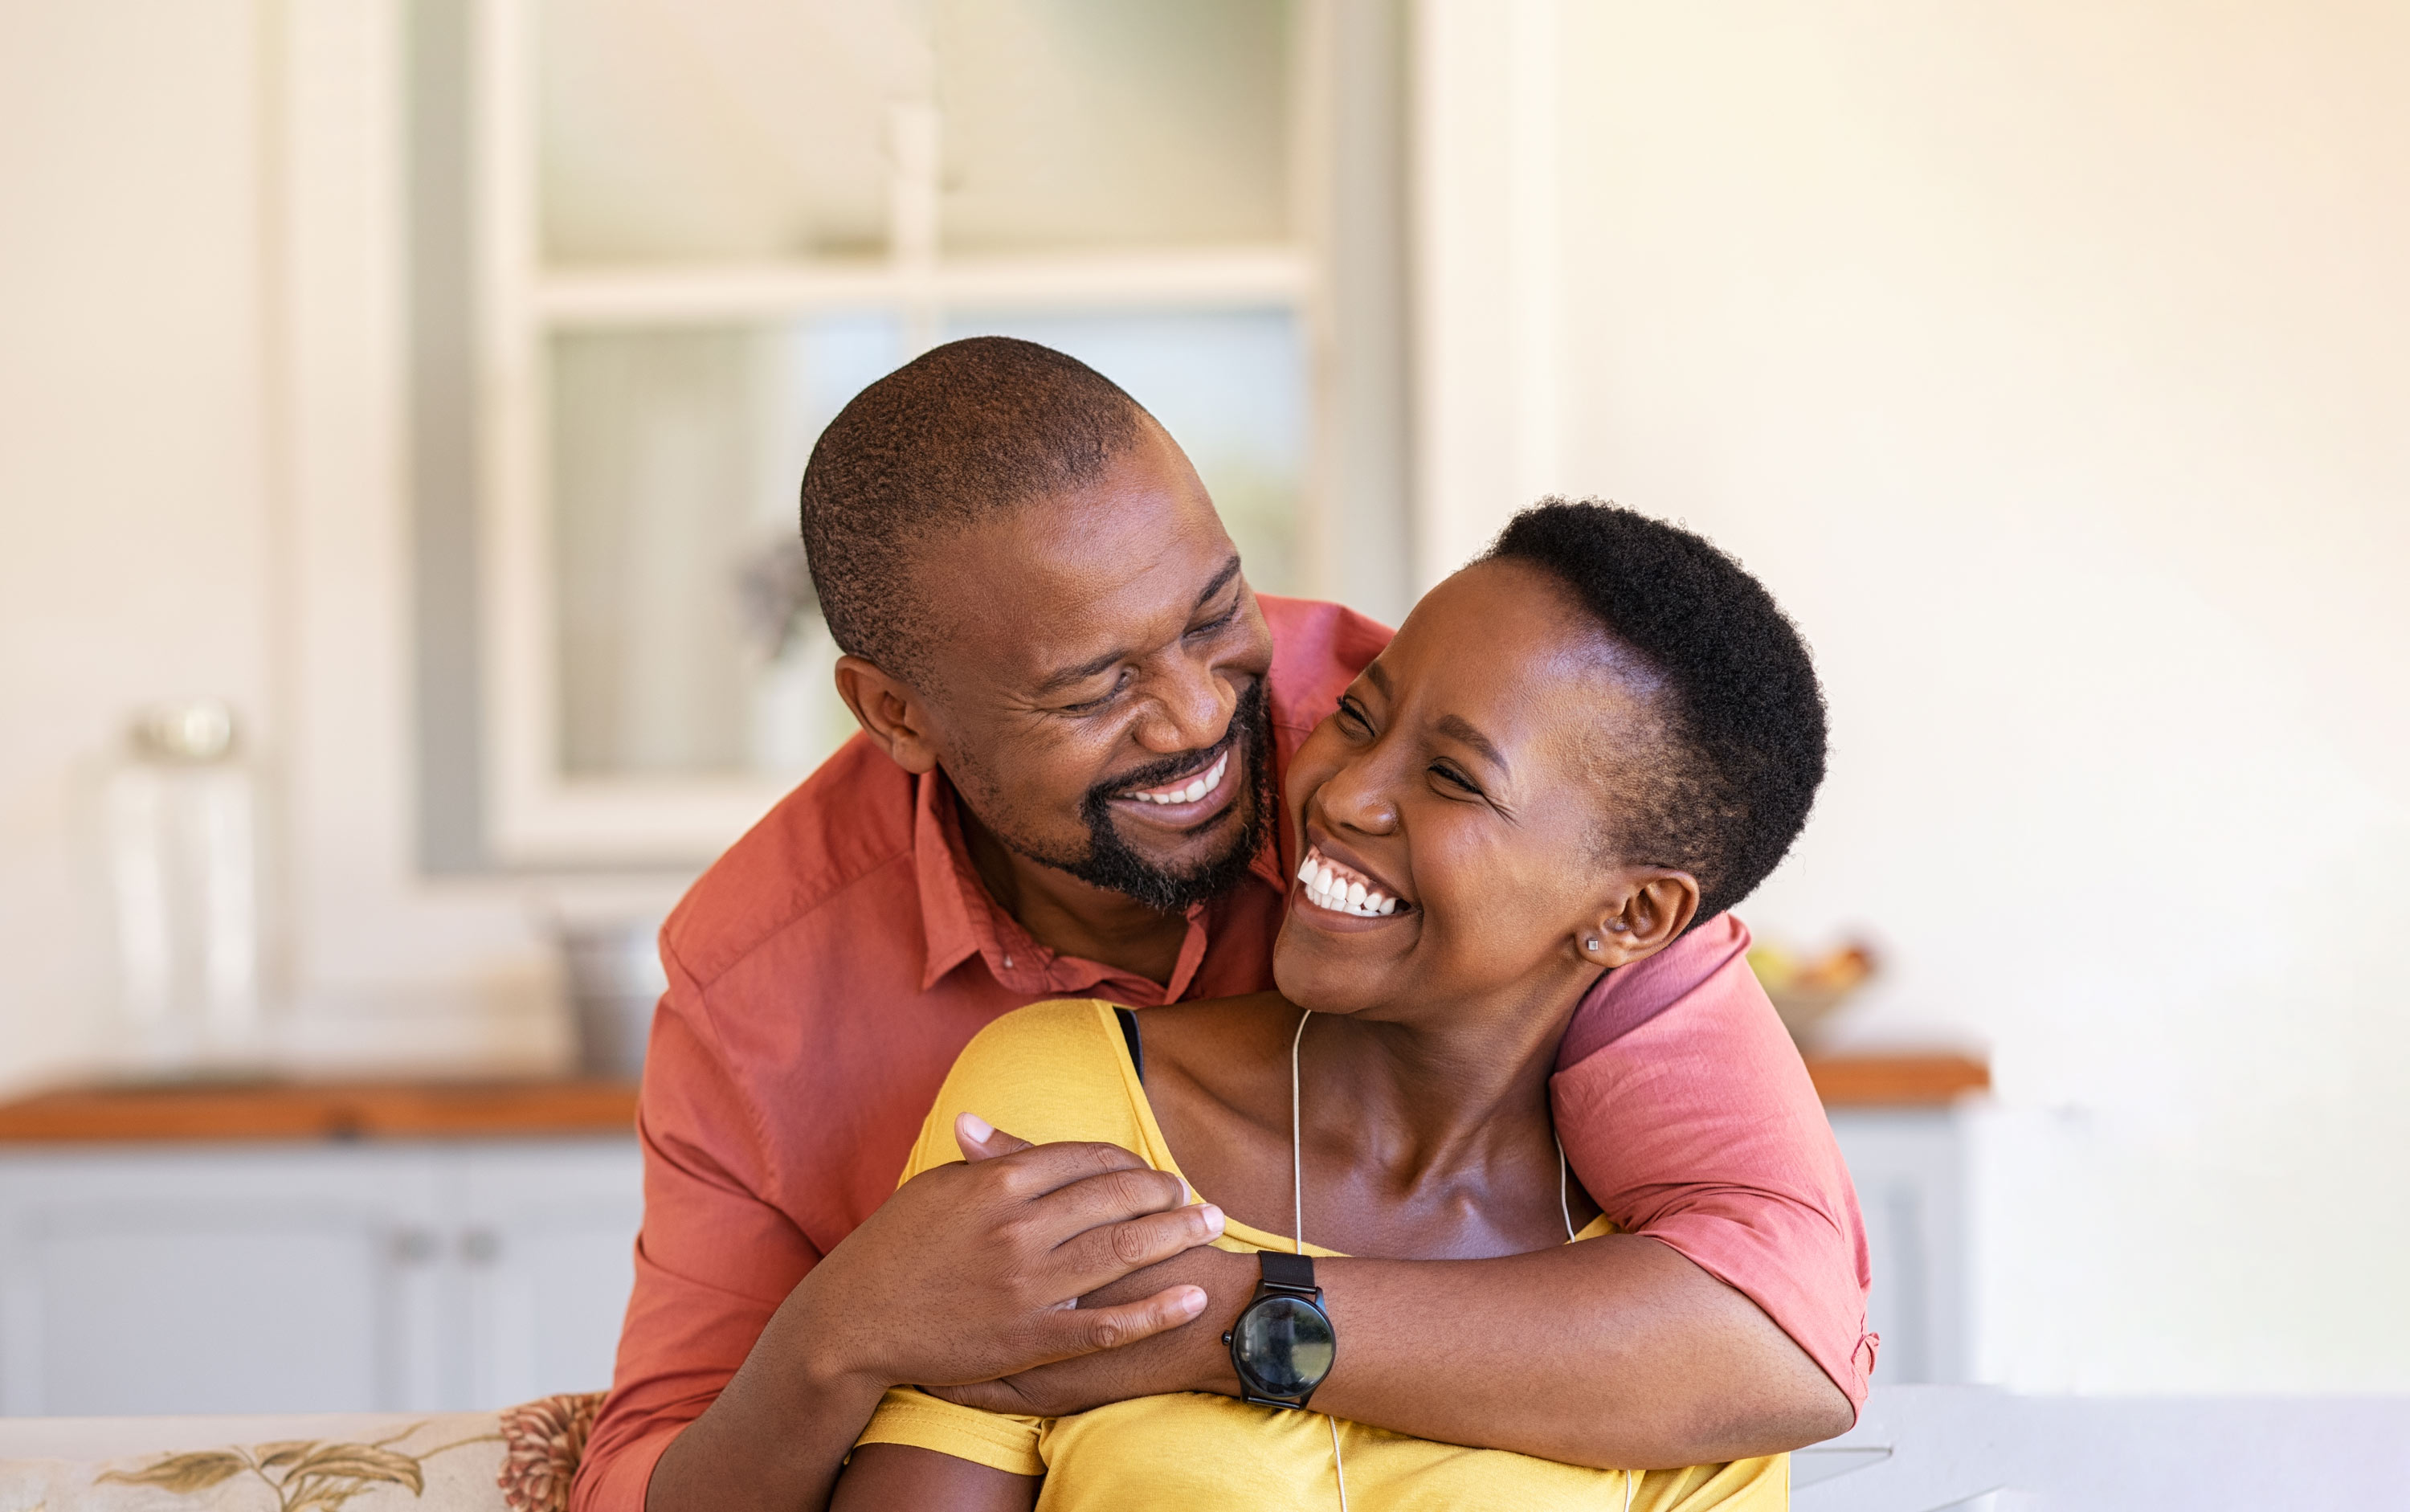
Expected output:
(1429, 1092)
(1425, 1134)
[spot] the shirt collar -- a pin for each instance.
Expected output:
(960, 920)
(942, 867)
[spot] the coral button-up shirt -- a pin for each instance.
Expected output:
(825, 972)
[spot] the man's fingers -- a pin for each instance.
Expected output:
(1084, 1330)
(1111, 1197)
(980, 1140)
(1035, 1171)
(1101, 1256)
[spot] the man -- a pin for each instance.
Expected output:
(1074, 715)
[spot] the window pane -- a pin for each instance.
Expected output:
(1230, 387)
(1112, 123)
(734, 129)
(688, 643)
(746, 129)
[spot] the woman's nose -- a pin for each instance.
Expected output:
(1188, 709)
(1359, 797)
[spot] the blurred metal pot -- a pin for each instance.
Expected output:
(615, 980)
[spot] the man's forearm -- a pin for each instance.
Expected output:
(1616, 1352)
(773, 1442)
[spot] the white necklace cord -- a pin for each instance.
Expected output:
(1297, 1216)
(1296, 1194)
(1296, 1145)
(1564, 1202)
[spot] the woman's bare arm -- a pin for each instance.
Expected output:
(897, 1478)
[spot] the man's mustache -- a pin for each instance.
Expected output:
(1154, 773)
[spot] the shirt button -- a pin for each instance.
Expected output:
(1008, 962)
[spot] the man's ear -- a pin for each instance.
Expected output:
(890, 710)
(1647, 914)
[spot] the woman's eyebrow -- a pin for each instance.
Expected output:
(1457, 728)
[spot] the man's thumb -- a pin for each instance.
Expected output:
(983, 1140)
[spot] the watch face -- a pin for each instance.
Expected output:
(1285, 1344)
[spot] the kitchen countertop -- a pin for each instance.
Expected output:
(199, 1112)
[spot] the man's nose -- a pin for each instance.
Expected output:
(1188, 709)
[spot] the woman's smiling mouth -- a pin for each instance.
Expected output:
(1342, 888)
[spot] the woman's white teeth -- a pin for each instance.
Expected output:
(1329, 887)
(1197, 788)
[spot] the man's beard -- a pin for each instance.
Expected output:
(1113, 864)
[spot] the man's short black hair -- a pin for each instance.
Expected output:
(960, 431)
(1743, 743)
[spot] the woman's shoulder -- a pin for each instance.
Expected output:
(1062, 1034)
(1050, 1072)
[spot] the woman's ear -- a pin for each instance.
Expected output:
(1647, 914)
(890, 710)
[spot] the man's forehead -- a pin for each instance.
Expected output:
(1037, 592)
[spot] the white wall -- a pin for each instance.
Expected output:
(200, 480)
(2051, 362)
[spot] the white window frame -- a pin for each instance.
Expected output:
(535, 813)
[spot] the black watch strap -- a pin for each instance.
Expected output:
(1289, 1272)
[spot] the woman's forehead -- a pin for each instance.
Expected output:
(1503, 649)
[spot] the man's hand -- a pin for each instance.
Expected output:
(967, 1272)
(976, 1271)
(1175, 1359)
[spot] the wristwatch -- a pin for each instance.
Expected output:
(1282, 1343)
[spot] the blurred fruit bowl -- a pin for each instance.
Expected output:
(1806, 989)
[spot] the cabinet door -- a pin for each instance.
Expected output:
(547, 1235)
(1909, 1169)
(218, 1280)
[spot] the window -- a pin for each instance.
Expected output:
(703, 228)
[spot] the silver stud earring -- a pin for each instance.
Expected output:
(1591, 944)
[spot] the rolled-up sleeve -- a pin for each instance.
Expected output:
(714, 1260)
(1700, 1129)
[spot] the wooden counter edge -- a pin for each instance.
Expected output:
(567, 1108)
(1897, 1081)
(331, 1110)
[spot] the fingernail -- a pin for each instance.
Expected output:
(1212, 1217)
(979, 1128)
(1192, 1301)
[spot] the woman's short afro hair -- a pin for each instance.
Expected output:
(1743, 743)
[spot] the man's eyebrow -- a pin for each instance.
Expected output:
(1220, 580)
(1065, 676)
(1455, 727)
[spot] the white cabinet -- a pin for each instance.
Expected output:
(1908, 1164)
(323, 1278)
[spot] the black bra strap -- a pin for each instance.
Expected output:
(1129, 1038)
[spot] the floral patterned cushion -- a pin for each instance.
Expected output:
(519, 1460)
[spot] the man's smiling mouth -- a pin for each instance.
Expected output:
(1185, 792)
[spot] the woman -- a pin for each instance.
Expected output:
(1599, 732)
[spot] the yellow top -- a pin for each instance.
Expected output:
(1061, 1070)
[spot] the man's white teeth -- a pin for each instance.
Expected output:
(1198, 787)
(1329, 887)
